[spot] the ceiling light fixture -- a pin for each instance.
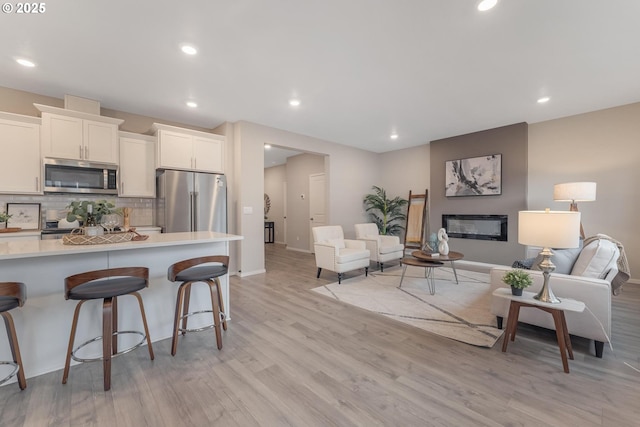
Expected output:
(189, 50)
(485, 5)
(294, 102)
(267, 146)
(25, 62)
(543, 100)
(191, 104)
(394, 136)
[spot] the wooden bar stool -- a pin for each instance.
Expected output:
(107, 285)
(12, 295)
(191, 271)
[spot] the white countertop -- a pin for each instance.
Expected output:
(37, 248)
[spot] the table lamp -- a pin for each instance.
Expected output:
(548, 229)
(574, 192)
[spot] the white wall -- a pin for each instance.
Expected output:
(298, 209)
(602, 146)
(350, 173)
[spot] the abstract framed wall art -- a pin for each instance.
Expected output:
(475, 176)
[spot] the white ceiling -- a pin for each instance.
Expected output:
(426, 69)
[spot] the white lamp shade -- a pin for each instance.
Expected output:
(575, 192)
(549, 229)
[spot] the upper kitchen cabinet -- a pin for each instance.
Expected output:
(20, 162)
(76, 135)
(137, 171)
(187, 149)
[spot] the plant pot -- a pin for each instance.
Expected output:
(516, 291)
(3, 224)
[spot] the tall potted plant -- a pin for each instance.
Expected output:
(385, 212)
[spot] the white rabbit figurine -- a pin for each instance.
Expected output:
(443, 246)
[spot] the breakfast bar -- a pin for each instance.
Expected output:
(43, 323)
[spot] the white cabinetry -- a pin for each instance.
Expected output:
(68, 134)
(188, 149)
(20, 164)
(137, 171)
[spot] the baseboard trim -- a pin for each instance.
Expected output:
(251, 273)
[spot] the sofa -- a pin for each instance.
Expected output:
(586, 278)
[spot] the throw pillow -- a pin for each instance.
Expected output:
(563, 259)
(524, 264)
(595, 259)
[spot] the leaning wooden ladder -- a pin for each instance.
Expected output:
(417, 220)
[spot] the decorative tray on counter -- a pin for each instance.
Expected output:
(77, 238)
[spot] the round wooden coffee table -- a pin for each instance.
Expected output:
(428, 271)
(451, 256)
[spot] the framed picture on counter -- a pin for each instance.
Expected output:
(24, 215)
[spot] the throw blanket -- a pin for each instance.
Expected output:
(624, 272)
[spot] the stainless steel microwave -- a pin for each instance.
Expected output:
(75, 176)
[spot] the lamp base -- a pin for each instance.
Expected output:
(546, 266)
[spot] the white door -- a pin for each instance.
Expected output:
(317, 213)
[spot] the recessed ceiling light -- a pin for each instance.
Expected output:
(294, 102)
(543, 100)
(485, 5)
(394, 136)
(267, 146)
(191, 104)
(189, 50)
(25, 62)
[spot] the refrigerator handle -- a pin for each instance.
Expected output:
(194, 216)
(192, 209)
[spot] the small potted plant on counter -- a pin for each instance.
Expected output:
(518, 279)
(4, 217)
(78, 210)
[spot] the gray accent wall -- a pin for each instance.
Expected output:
(512, 143)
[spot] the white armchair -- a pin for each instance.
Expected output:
(336, 253)
(382, 248)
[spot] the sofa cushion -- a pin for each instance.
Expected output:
(563, 259)
(596, 259)
(391, 249)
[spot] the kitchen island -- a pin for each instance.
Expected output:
(44, 323)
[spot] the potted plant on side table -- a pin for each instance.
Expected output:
(518, 279)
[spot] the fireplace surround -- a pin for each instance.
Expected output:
(477, 227)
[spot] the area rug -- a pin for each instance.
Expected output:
(457, 311)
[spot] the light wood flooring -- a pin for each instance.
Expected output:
(294, 358)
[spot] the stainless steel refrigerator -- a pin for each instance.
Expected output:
(191, 201)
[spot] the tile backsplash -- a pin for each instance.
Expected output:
(142, 213)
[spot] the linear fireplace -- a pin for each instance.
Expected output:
(478, 227)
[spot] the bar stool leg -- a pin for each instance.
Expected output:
(221, 303)
(216, 314)
(176, 322)
(144, 323)
(15, 348)
(114, 325)
(185, 306)
(72, 338)
(107, 333)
